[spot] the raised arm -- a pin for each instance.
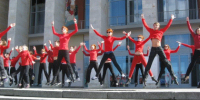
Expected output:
(190, 28)
(51, 46)
(46, 49)
(145, 41)
(95, 31)
(86, 49)
(85, 53)
(168, 24)
(17, 50)
(147, 52)
(100, 48)
(54, 31)
(131, 53)
(144, 23)
(8, 46)
(175, 51)
(77, 49)
(76, 28)
(132, 39)
(5, 31)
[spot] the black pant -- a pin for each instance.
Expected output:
(54, 71)
(2, 66)
(12, 70)
(108, 66)
(65, 71)
(7, 70)
(193, 62)
(112, 57)
(169, 68)
(24, 73)
(138, 66)
(89, 69)
(16, 72)
(160, 52)
(31, 74)
(75, 70)
(42, 67)
(50, 69)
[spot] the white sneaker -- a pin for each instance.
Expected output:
(68, 80)
(58, 84)
(94, 78)
(33, 77)
(78, 79)
(123, 75)
(101, 85)
(117, 84)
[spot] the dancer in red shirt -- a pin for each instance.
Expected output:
(138, 65)
(43, 57)
(139, 57)
(6, 59)
(93, 62)
(167, 52)
(156, 37)
(63, 50)
(109, 40)
(25, 57)
(196, 37)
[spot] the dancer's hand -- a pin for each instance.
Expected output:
(124, 32)
(16, 47)
(148, 48)
(179, 43)
(75, 21)
(81, 44)
(120, 43)
(12, 25)
(33, 62)
(9, 39)
(98, 43)
(128, 47)
(12, 48)
(34, 48)
(187, 19)
(45, 44)
(52, 23)
(142, 16)
(172, 17)
(92, 27)
(102, 41)
(49, 41)
(129, 33)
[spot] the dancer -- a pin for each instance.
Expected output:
(196, 37)
(109, 40)
(138, 65)
(167, 52)
(55, 57)
(93, 62)
(139, 57)
(25, 57)
(72, 56)
(65, 71)
(6, 59)
(43, 57)
(156, 37)
(31, 73)
(63, 50)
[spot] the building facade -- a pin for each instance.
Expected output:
(33, 27)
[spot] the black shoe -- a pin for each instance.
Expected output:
(136, 84)
(11, 82)
(69, 84)
(157, 83)
(198, 85)
(63, 85)
(153, 79)
(144, 81)
(128, 81)
(175, 80)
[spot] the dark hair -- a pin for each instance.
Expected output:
(196, 30)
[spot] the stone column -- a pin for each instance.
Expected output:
(54, 11)
(149, 9)
(99, 20)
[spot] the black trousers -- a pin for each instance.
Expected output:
(31, 74)
(193, 62)
(162, 56)
(24, 73)
(138, 66)
(16, 72)
(65, 71)
(103, 60)
(54, 71)
(75, 70)
(7, 70)
(42, 67)
(89, 69)
(162, 70)
(50, 69)
(108, 66)
(12, 70)
(2, 66)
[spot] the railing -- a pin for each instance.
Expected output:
(179, 14)
(83, 24)
(124, 20)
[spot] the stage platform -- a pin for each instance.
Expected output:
(102, 93)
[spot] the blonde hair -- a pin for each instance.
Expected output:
(4, 42)
(94, 46)
(156, 23)
(141, 36)
(168, 47)
(64, 27)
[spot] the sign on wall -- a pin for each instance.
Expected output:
(70, 12)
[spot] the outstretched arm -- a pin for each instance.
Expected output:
(145, 41)
(8, 46)
(189, 46)
(97, 33)
(76, 28)
(5, 31)
(54, 31)
(190, 28)
(77, 49)
(86, 49)
(147, 52)
(168, 24)
(175, 51)
(145, 24)
(117, 46)
(85, 53)
(130, 51)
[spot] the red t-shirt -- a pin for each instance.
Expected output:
(50, 55)
(168, 52)
(72, 55)
(25, 57)
(55, 50)
(93, 53)
(2, 48)
(196, 37)
(139, 44)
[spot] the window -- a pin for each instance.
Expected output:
(87, 13)
(134, 10)
(37, 16)
(130, 43)
(180, 8)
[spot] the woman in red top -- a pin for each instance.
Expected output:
(156, 36)
(196, 37)
(167, 52)
(72, 56)
(25, 57)
(43, 57)
(138, 65)
(109, 40)
(139, 57)
(93, 62)
(63, 50)
(6, 59)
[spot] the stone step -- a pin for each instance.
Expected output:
(187, 93)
